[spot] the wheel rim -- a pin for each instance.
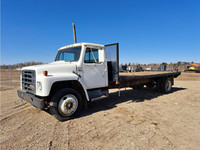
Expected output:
(68, 104)
(169, 85)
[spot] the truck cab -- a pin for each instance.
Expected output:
(78, 74)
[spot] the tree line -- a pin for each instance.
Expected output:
(20, 65)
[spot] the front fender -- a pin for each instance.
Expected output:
(47, 82)
(84, 87)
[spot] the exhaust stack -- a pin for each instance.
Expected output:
(74, 32)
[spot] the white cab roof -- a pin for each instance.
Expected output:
(81, 44)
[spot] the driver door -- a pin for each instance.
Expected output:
(95, 73)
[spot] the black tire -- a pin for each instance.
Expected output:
(164, 85)
(57, 104)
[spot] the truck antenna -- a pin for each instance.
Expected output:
(74, 31)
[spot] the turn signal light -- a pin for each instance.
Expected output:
(45, 73)
(117, 82)
(32, 86)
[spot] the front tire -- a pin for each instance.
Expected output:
(66, 104)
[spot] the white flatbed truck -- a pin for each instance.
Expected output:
(80, 73)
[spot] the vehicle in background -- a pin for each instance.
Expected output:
(139, 69)
(161, 68)
(122, 68)
(197, 69)
(193, 67)
(130, 69)
(149, 69)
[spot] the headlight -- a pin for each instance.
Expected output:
(39, 86)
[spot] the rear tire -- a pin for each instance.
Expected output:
(164, 85)
(167, 87)
(66, 104)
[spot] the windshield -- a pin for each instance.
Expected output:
(69, 54)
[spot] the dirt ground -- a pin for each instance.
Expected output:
(139, 119)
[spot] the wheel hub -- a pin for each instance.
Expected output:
(68, 105)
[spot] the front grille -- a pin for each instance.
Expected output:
(28, 80)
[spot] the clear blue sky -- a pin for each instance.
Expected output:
(149, 31)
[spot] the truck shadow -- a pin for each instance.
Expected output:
(125, 95)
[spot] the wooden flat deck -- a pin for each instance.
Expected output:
(146, 74)
(136, 78)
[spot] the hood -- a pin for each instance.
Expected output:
(53, 68)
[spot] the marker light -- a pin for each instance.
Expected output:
(45, 73)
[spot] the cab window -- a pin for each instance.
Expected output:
(91, 55)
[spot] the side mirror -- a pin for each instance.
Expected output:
(101, 55)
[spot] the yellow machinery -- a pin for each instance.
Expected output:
(192, 66)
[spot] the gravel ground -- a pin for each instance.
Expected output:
(139, 119)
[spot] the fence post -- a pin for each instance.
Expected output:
(10, 76)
